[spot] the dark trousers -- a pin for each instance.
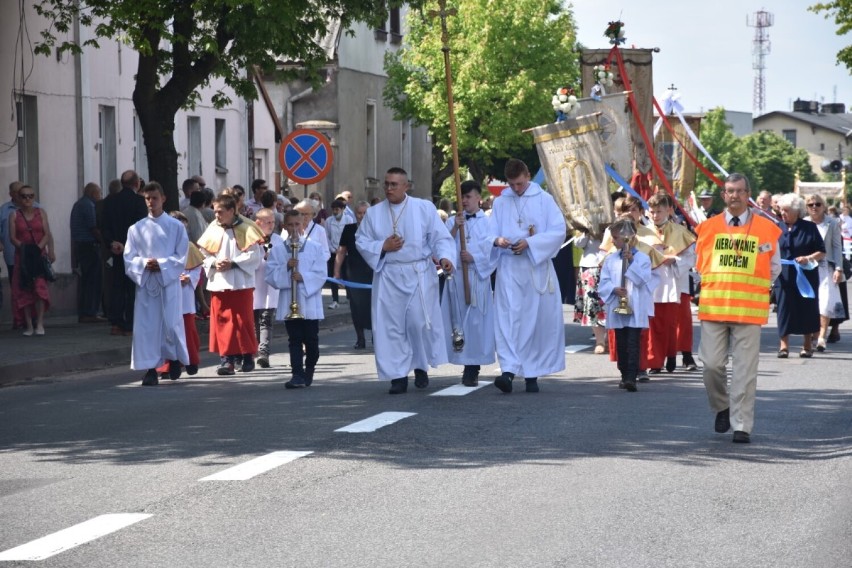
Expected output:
(303, 333)
(335, 289)
(123, 296)
(627, 346)
(89, 294)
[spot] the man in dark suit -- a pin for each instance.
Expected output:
(120, 212)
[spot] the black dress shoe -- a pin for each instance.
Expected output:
(741, 437)
(174, 370)
(359, 345)
(263, 362)
(531, 384)
(150, 378)
(723, 421)
(630, 385)
(421, 379)
(248, 364)
(504, 382)
(399, 386)
(295, 383)
(309, 377)
(671, 364)
(192, 369)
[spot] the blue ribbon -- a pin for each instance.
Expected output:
(805, 288)
(348, 284)
(620, 181)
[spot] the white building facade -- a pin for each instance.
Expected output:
(70, 120)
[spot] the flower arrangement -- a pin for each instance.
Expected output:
(565, 101)
(603, 75)
(615, 32)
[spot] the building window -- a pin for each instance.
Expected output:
(193, 146)
(221, 147)
(395, 26)
(26, 111)
(107, 144)
(140, 154)
(789, 136)
(381, 32)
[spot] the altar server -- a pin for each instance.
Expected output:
(154, 258)
(527, 229)
(475, 320)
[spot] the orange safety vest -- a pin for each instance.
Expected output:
(735, 268)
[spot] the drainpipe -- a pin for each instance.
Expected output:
(290, 101)
(78, 105)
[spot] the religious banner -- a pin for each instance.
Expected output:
(638, 66)
(616, 142)
(572, 158)
(677, 167)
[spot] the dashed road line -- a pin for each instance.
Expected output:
(373, 423)
(71, 537)
(256, 466)
(460, 390)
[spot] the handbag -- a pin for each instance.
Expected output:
(47, 269)
(847, 268)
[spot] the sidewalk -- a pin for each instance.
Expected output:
(68, 346)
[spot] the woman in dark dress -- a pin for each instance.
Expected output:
(802, 243)
(356, 270)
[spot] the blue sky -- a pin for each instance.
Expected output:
(706, 49)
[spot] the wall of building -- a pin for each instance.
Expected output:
(821, 144)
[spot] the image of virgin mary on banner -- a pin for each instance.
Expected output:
(572, 159)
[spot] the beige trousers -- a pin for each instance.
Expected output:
(744, 343)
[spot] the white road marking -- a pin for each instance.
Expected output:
(373, 423)
(576, 348)
(66, 539)
(460, 390)
(256, 466)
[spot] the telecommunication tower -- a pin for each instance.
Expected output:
(760, 21)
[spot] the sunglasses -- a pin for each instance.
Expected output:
(814, 205)
(27, 195)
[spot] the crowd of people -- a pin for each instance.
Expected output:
(434, 285)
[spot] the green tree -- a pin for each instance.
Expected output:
(841, 11)
(508, 58)
(768, 160)
(182, 45)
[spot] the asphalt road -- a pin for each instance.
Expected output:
(581, 474)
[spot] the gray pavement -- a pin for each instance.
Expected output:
(68, 347)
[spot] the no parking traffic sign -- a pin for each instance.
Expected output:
(305, 156)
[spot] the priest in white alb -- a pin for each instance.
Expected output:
(398, 238)
(527, 229)
(154, 258)
(475, 320)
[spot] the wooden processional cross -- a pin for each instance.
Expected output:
(443, 13)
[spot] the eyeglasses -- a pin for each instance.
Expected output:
(26, 195)
(814, 205)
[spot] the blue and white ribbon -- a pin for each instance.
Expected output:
(620, 181)
(348, 284)
(805, 288)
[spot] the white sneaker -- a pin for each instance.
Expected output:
(332, 306)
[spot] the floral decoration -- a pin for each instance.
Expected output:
(615, 32)
(603, 75)
(565, 102)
